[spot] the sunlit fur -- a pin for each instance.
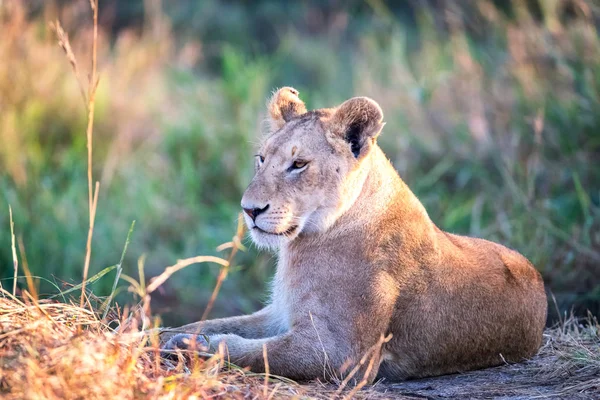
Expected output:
(311, 199)
(360, 259)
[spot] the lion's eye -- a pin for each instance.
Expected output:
(260, 159)
(299, 164)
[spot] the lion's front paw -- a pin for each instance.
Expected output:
(184, 341)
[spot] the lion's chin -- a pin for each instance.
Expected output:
(273, 241)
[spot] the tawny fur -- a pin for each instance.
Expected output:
(359, 258)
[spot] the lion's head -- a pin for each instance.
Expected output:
(309, 168)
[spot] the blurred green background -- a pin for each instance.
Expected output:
(492, 110)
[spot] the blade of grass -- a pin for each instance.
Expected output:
(41, 278)
(104, 304)
(28, 277)
(141, 273)
(134, 284)
(119, 270)
(14, 251)
(582, 196)
(90, 280)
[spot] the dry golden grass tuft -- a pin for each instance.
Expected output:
(55, 350)
(571, 356)
(43, 356)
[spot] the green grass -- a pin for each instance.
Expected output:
(491, 120)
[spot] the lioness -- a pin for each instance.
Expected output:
(359, 259)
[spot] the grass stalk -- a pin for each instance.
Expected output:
(267, 372)
(181, 264)
(236, 245)
(89, 101)
(88, 246)
(119, 271)
(92, 195)
(26, 270)
(14, 251)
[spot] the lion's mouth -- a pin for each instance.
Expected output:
(291, 230)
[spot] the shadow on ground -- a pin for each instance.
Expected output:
(567, 367)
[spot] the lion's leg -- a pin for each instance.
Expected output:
(310, 350)
(313, 348)
(297, 355)
(260, 324)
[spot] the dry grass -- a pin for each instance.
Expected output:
(571, 357)
(42, 355)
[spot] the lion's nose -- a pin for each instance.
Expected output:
(255, 212)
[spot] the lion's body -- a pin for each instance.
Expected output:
(359, 259)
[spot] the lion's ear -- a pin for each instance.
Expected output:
(283, 106)
(359, 121)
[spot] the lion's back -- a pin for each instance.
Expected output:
(480, 305)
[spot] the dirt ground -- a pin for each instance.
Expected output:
(567, 367)
(507, 382)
